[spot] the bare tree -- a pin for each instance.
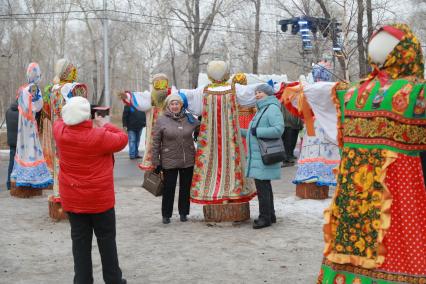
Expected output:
(198, 30)
(257, 4)
(362, 62)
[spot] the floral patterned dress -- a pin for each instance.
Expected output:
(375, 228)
(30, 170)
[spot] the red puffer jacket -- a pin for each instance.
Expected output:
(86, 161)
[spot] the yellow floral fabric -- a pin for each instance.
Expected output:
(406, 59)
(359, 214)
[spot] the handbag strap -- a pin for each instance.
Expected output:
(257, 123)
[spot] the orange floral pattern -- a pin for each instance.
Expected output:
(356, 219)
(405, 136)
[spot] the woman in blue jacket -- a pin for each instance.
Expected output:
(270, 125)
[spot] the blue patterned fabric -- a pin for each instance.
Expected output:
(35, 177)
(320, 173)
(321, 72)
(317, 159)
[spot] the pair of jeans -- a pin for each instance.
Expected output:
(170, 178)
(82, 227)
(11, 163)
(289, 138)
(134, 139)
(266, 199)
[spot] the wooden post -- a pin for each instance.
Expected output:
(229, 212)
(24, 192)
(311, 191)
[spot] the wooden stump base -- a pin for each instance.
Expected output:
(22, 192)
(230, 212)
(50, 187)
(55, 210)
(311, 191)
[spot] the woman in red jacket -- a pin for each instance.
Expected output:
(86, 186)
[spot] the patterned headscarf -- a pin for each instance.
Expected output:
(33, 73)
(321, 72)
(406, 59)
(65, 71)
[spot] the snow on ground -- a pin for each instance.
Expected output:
(34, 249)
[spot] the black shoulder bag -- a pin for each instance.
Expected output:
(271, 150)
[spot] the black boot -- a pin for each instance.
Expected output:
(166, 220)
(261, 223)
(273, 219)
(183, 218)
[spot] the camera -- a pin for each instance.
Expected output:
(100, 110)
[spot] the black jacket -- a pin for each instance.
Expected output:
(133, 119)
(290, 120)
(12, 119)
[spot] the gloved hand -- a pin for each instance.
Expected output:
(158, 169)
(253, 131)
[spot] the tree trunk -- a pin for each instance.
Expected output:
(257, 37)
(360, 40)
(195, 70)
(369, 26)
(369, 19)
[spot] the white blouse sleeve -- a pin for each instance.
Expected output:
(194, 98)
(245, 94)
(139, 100)
(319, 97)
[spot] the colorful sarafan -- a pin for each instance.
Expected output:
(65, 88)
(375, 229)
(220, 160)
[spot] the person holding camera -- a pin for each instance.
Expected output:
(173, 153)
(86, 183)
(267, 123)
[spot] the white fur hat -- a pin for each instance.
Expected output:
(218, 70)
(76, 110)
(173, 97)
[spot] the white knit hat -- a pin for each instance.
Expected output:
(76, 110)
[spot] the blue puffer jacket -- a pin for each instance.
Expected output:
(271, 125)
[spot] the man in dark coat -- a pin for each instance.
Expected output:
(134, 121)
(293, 125)
(12, 119)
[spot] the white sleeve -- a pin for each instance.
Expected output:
(319, 97)
(245, 94)
(139, 100)
(194, 98)
(38, 103)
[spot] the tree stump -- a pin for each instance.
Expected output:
(55, 209)
(50, 187)
(311, 191)
(24, 192)
(229, 212)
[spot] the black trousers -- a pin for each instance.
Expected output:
(170, 179)
(82, 227)
(289, 138)
(11, 163)
(266, 199)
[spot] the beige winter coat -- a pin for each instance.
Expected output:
(173, 144)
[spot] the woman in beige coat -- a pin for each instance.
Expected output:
(173, 152)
